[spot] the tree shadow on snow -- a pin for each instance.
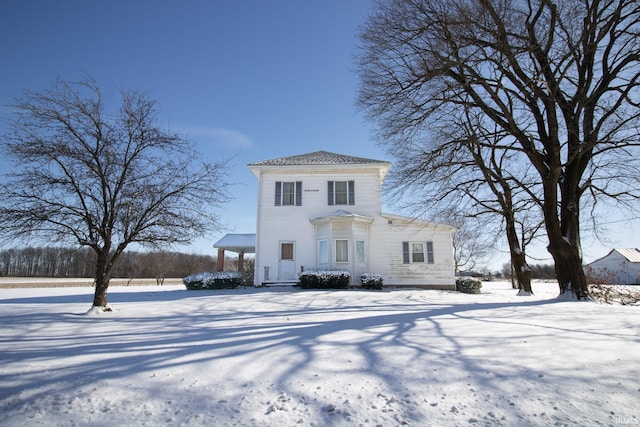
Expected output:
(297, 327)
(119, 294)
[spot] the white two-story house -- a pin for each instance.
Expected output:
(323, 211)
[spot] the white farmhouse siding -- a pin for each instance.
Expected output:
(322, 211)
(387, 259)
(618, 267)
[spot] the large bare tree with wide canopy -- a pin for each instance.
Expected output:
(86, 177)
(560, 79)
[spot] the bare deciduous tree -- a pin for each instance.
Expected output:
(561, 79)
(101, 180)
(461, 170)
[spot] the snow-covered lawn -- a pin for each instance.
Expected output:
(287, 357)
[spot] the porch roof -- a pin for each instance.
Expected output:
(342, 214)
(233, 242)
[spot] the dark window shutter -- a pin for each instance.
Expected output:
(298, 193)
(430, 257)
(405, 252)
(352, 192)
(330, 192)
(278, 193)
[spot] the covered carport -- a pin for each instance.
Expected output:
(239, 243)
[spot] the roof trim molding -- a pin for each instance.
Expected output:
(630, 254)
(319, 158)
(406, 220)
(321, 161)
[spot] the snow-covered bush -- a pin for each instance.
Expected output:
(371, 281)
(468, 285)
(324, 279)
(218, 280)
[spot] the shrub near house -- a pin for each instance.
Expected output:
(324, 279)
(218, 280)
(371, 281)
(468, 285)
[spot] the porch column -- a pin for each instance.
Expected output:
(241, 262)
(220, 261)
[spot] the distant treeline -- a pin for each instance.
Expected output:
(66, 262)
(543, 271)
(538, 271)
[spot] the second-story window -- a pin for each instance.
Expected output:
(341, 193)
(288, 193)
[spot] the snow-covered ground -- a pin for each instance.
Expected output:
(288, 357)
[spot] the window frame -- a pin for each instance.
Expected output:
(408, 253)
(339, 251)
(288, 193)
(340, 193)
(361, 252)
(295, 196)
(289, 254)
(323, 251)
(350, 187)
(417, 251)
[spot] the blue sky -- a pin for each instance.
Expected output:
(250, 79)
(245, 78)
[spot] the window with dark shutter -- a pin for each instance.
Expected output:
(405, 253)
(298, 193)
(341, 192)
(288, 193)
(278, 193)
(352, 192)
(430, 258)
(417, 252)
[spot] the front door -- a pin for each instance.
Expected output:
(287, 263)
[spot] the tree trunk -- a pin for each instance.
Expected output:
(568, 267)
(523, 272)
(102, 278)
(514, 280)
(563, 232)
(100, 295)
(518, 257)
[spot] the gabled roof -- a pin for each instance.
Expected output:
(319, 158)
(630, 254)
